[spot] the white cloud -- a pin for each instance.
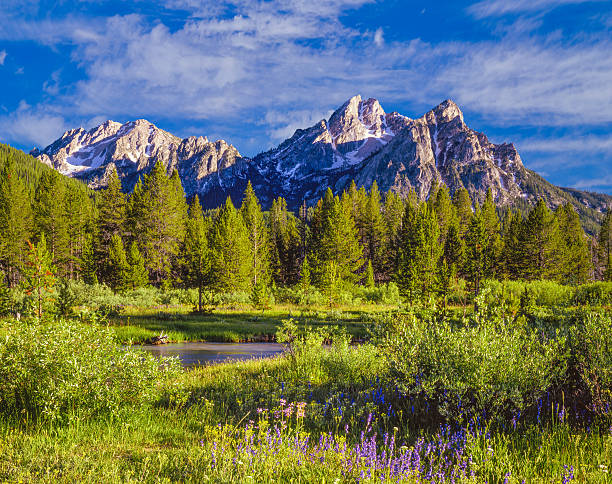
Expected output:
(379, 39)
(2, 57)
(493, 8)
(283, 124)
(595, 183)
(31, 125)
(563, 144)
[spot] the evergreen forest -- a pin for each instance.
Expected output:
(155, 237)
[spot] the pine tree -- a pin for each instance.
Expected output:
(285, 244)
(137, 274)
(419, 252)
(197, 256)
(512, 250)
(454, 250)
(540, 244)
(16, 222)
(156, 219)
(445, 212)
(50, 217)
(476, 260)
(369, 279)
(334, 239)
(88, 262)
(374, 232)
(118, 265)
(79, 224)
(230, 251)
(393, 213)
(463, 207)
(39, 277)
(258, 236)
(491, 223)
(604, 251)
(575, 259)
(111, 219)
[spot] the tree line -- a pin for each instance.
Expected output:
(154, 236)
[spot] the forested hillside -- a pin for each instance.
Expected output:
(153, 237)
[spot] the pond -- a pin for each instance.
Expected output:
(197, 354)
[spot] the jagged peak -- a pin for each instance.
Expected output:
(446, 111)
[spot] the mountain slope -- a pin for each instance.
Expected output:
(133, 148)
(360, 142)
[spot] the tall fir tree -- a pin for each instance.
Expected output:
(50, 217)
(476, 260)
(197, 254)
(463, 207)
(575, 258)
(511, 243)
(156, 219)
(604, 247)
(258, 236)
(374, 232)
(80, 215)
(334, 240)
(118, 264)
(230, 251)
(88, 263)
(419, 252)
(540, 244)
(285, 244)
(393, 213)
(445, 212)
(137, 274)
(488, 213)
(111, 220)
(15, 222)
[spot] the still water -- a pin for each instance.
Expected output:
(196, 354)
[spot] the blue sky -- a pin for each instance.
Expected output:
(534, 72)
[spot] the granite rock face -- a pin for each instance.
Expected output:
(360, 142)
(133, 149)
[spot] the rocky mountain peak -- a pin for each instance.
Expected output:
(446, 112)
(359, 142)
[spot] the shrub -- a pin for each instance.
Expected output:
(541, 293)
(594, 294)
(490, 366)
(50, 371)
(591, 341)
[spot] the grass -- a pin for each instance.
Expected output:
(210, 440)
(345, 413)
(234, 325)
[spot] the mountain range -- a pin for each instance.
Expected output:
(359, 142)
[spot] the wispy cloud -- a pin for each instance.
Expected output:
(2, 57)
(494, 8)
(32, 125)
(597, 183)
(564, 144)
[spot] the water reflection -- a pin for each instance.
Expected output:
(197, 354)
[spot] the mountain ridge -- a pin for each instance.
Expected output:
(359, 141)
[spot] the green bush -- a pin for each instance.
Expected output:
(53, 370)
(341, 362)
(594, 294)
(490, 366)
(541, 293)
(591, 342)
